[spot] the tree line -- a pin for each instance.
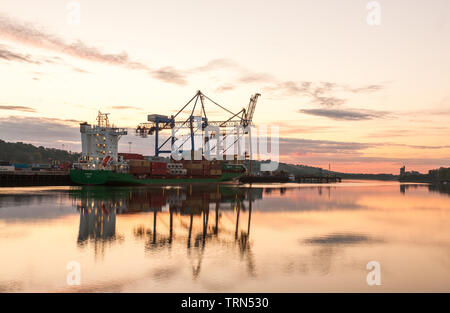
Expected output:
(19, 152)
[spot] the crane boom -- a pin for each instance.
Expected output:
(251, 109)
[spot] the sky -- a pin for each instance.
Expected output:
(360, 86)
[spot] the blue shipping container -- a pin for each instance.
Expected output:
(23, 166)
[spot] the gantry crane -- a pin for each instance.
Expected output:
(157, 123)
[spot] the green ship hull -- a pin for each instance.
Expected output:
(106, 177)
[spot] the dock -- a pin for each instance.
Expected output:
(31, 178)
(285, 179)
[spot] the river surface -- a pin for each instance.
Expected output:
(264, 238)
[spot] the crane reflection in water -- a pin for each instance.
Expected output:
(194, 216)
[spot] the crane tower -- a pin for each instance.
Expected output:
(197, 114)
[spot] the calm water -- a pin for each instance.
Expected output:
(272, 238)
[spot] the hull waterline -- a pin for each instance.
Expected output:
(106, 177)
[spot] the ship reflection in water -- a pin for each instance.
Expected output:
(191, 216)
(225, 238)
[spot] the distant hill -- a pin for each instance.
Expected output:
(304, 170)
(301, 169)
(19, 152)
(295, 169)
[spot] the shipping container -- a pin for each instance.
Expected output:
(196, 166)
(131, 156)
(174, 165)
(140, 170)
(21, 166)
(159, 165)
(177, 171)
(159, 168)
(139, 163)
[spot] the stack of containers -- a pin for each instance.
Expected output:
(176, 169)
(21, 167)
(194, 168)
(140, 167)
(159, 168)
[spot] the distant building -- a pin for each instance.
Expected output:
(402, 170)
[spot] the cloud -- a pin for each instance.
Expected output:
(321, 93)
(365, 89)
(17, 108)
(291, 88)
(346, 114)
(225, 87)
(170, 75)
(80, 70)
(422, 147)
(39, 130)
(300, 146)
(28, 34)
(216, 65)
(309, 146)
(253, 77)
(350, 156)
(360, 159)
(124, 107)
(410, 132)
(8, 55)
(319, 96)
(389, 133)
(289, 129)
(328, 101)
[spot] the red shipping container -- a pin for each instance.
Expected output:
(159, 171)
(132, 156)
(140, 170)
(159, 164)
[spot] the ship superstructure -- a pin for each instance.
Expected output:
(100, 144)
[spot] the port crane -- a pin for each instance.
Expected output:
(157, 123)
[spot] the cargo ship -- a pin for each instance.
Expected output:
(101, 164)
